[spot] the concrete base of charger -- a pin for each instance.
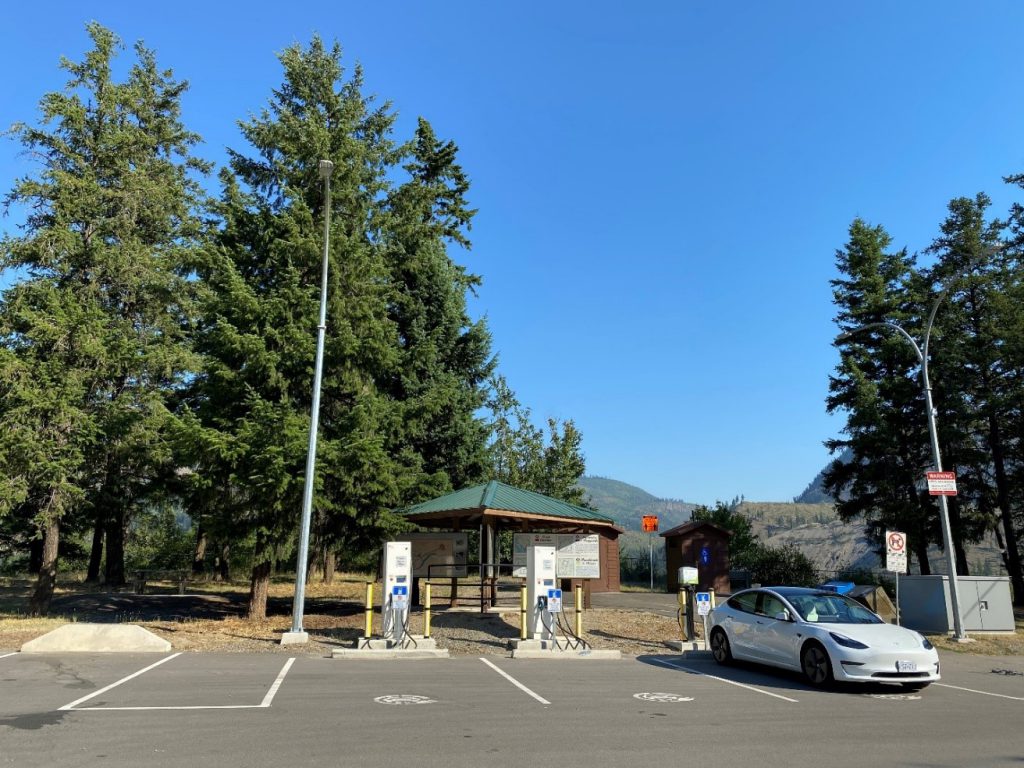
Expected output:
(544, 649)
(417, 647)
(691, 648)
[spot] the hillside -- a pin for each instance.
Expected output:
(627, 504)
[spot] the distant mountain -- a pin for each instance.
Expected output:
(627, 504)
(815, 492)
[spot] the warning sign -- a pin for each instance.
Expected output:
(941, 483)
(649, 523)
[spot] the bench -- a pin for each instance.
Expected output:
(142, 577)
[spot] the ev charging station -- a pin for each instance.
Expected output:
(397, 590)
(543, 598)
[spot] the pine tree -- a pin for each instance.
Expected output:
(99, 319)
(877, 384)
(966, 357)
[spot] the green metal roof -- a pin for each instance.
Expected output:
(498, 496)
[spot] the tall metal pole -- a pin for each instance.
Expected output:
(297, 634)
(947, 534)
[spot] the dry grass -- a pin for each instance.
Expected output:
(462, 632)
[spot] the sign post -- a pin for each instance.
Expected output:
(650, 525)
(703, 609)
(896, 558)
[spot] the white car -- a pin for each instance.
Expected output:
(825, 635)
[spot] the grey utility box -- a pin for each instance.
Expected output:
(985, 603)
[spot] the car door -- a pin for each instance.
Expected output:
(778, 639)
(739, 624)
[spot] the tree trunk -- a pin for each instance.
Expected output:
(39, 605)
(35, 555)
(330, 564)
(115, 550)
(1012, 554)
(224, 563)
(920, 548)
(258, 588)
(956, 528)
(96, 553)
(199, 555)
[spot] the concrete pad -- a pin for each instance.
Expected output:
(388, 653)
(379, 648)
(692, 648)
(295, 638)
(545, 649)
(554, 653)
(97, 638)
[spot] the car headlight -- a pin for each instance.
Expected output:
(847, 642)
(926, 643)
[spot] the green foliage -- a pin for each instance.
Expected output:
(159, 538)
(521, 458)
(785, 565)
(742, 540)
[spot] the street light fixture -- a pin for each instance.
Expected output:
(947, 535)
(297, 635)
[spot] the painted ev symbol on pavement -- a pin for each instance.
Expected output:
(661, 697)
(403, 698)
(893, 696)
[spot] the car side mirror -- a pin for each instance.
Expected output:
(782, 615)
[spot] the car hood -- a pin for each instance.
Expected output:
(879, 636)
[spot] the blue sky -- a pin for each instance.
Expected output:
(662, 186)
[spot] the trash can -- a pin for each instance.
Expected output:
(840, 587)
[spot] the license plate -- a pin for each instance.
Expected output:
(906, 666)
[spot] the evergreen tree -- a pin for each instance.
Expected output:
(877, 385)
(519, 456)
(99, 319)
(965, 366)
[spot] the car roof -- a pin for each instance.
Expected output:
(789, 591)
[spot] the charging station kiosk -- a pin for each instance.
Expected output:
(540, 584)
(397, 590)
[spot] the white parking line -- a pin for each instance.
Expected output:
(5, 655)
(514, 682)
(983, 693)
(132, 676)
(262, 705)
(722, 679)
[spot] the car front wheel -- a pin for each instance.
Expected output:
(815, 664)
(720, 647)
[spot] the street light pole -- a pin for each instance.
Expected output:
(947, 533)
(297, 635)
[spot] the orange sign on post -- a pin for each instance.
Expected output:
(649, 524)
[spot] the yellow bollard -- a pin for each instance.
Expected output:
(426, 610)
(682, 613)
(579, 611)
(522, 613)
(369, 610)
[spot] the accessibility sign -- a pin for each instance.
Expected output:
(703, 603)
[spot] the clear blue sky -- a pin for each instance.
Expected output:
(661, 186)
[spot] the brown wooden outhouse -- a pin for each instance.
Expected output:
(702, 545)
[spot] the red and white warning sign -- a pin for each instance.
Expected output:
(941, 483)
(896, 551)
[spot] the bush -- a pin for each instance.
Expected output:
(778, 565)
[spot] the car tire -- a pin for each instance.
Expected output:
(916, 686)
(720, 647)
(815, 664)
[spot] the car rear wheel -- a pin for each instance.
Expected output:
(720, 647)
(815, 664)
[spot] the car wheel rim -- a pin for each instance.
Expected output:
(718, 646)
(815, 665)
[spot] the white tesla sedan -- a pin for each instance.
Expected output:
(825, 635)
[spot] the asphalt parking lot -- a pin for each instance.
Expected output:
(274, 710)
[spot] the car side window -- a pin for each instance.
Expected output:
(771, 606)
(745, 602)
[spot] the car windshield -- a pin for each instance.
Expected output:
(827, 608)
